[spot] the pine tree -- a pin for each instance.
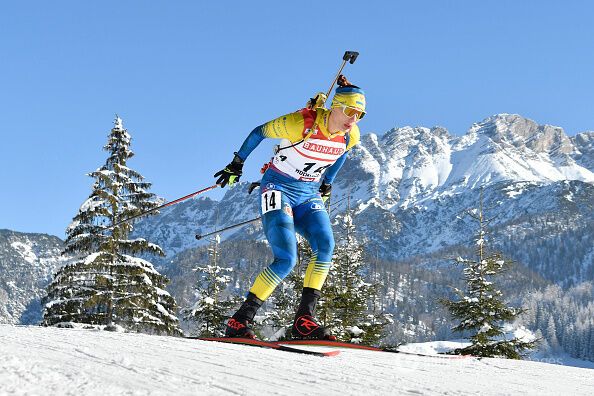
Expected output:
(105, 282)
(563, 319)
(348, 300)
(481, 309)
(212, 308)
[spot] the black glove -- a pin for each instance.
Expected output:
(231, 173)
(325, 190)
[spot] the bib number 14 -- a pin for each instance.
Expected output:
(271, 200)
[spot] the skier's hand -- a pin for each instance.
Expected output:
(231, 173)
(325, 190)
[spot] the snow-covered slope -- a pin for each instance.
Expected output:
(54, 361)
(27, 262)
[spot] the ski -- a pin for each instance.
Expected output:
(438, 356)
(338, 344)
(265, 344)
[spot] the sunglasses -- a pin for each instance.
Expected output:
(351, 111)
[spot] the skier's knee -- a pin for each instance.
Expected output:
(283, 266)
(286, 265)
(325, 242)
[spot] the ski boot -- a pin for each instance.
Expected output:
(239, 324)
(305, 325)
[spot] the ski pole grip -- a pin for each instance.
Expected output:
(350, 56)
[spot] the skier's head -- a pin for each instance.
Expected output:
(348, 107)
(350, 98)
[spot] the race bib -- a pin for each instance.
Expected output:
(309, 159)
(271, 200)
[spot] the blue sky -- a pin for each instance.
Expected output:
(191, 79)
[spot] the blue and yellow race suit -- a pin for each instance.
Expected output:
(290, 200)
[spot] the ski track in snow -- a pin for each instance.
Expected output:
(51, 361)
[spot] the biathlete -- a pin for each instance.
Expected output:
(314, 145)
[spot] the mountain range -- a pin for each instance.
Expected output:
(411, 187)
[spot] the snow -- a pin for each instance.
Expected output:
(569, 196)
(164, 312)
(90, 204)
(521, 333)
(355, 330)
(25, 251)
(54, 361)
(91, 257)
(517, 189)
(161, 292)
(118, 123)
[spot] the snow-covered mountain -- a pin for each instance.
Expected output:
(408, 165)
(411, 186)
(27, 263)
(538, 185)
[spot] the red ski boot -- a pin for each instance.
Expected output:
(239, 324)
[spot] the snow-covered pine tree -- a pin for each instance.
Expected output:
(212, 308)
(481, 310)
(348, 299)
(105, 282)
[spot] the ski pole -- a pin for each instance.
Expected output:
(227, 228)
(166, 205)
(351, 57)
